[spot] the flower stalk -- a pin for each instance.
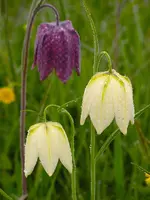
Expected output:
(93, 163)
(101, 55)
(73, 175)
(95, 37)
(92, 142)
(23, 86)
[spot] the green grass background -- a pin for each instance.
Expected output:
(116, 177)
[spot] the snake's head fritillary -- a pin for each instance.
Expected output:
(108, 96)
(48, 142)
(57, 47)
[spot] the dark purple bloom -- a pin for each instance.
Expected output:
(57, 47)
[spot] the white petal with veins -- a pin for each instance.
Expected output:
(102, 110)
(31, 151)
(91, 92)
(47, 142)
(120, 104)
(63, 149)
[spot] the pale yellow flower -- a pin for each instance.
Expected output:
(7, 95)
(108, 96)
(147, 178)
(49, 142)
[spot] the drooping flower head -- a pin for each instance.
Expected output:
(108, 96)
(49, 142)
(57, 47)
(7, 95)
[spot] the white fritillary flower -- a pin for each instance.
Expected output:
(108, 96)
(48, 142)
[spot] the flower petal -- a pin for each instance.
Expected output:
(45, 62)
(42, 29)
(31, 151)
(47, 144)
(129, 96)
(63, 55)
(92, 90)
(74, 40)
(63, 148)
(75, 51)
(120, 103)
(45, 53)
(147, 180)
(102, 109)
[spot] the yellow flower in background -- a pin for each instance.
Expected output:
(7, 95)
(147, 178)
(108, 96)
(48, 142)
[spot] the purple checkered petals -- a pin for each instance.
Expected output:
(57, 47)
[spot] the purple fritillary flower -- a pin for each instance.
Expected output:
(57, 47)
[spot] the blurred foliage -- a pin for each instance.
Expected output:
(126, 37)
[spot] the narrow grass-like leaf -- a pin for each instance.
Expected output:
(5, 195)
(115, 133)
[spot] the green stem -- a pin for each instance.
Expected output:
(96, 50)
(40, 3)
(5, 195)
(44, 100)
(140, 168)
(115, 133)
(140, 112)
(93, 163)
(52, 185)
(73, 175)
(104, 53)
(106, 144)
(95, 37)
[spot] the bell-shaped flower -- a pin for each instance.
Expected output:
(57, 47)
(108, 96)
(48, 142)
